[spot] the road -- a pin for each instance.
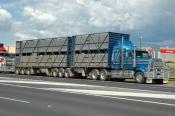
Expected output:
(48, 96)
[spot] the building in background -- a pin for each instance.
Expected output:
(167, 54)
(10, 48)
(7, 50)
(149, 50)
(3, 51)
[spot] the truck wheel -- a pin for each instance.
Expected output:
(68, 73)
(22, 71)
(139, 77)
(27, 71)
(17, 71)
(94, 74)
(61, 72)
(48, 72)
(103, 75)
(55, 72)
(32, 71)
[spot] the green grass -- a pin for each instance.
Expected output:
(172, 72)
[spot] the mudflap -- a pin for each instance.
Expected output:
(149, 80)
(165, 81)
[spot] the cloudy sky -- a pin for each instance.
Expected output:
(31, 19)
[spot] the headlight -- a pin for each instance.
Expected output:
(159, 70)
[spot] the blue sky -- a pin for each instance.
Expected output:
(32, 19)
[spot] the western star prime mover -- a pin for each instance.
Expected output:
(96, 56)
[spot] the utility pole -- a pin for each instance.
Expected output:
(141, 37)
(122, 53)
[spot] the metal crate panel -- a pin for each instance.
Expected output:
(91, 42)
(94, 50)
(52, 60)
(89, 50)
(91, 38)
(40, 45)
(93, 46)
(43, 52)
(91, 60)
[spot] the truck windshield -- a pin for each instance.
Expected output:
(142, 54)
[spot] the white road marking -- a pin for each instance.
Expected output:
(16, 100)
(114, 93)
(29, 81)
(105, 96)
(144, 101)
(94, 90)
(105, 91)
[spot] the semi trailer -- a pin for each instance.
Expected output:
(98, 56)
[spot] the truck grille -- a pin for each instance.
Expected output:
(161, 71)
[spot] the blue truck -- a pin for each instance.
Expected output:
(98, 56)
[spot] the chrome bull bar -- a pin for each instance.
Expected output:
(158, 71)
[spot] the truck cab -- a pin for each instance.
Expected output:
(7, 64)
(129, 61)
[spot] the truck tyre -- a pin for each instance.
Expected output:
(22, 71)
(61, 72)
(103, 75)
(94, 74)
(68, 73)
(139, 77)
(48, 72)
(17, 71)
(32, 71)
(55, 72)
(27, 71)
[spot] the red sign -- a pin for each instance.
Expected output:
(2, 49)
(167, 51)
(2, 60)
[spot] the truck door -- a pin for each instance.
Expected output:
(116, 59)
(129, 55)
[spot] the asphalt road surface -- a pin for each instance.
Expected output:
(48, 96)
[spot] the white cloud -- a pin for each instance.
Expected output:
(5, 15)
(50, 18)
(5, 20)
(21, 36)
(70, 17)
(39, 16)
(166, 42)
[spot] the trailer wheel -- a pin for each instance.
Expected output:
(94, 74)
(32, 71)
(27, 71)
(54, 72)
(22, 71)
(103, 75)
(17, 71)
(61, 72)
(68, 73)
(139, 77)
(48, 72)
